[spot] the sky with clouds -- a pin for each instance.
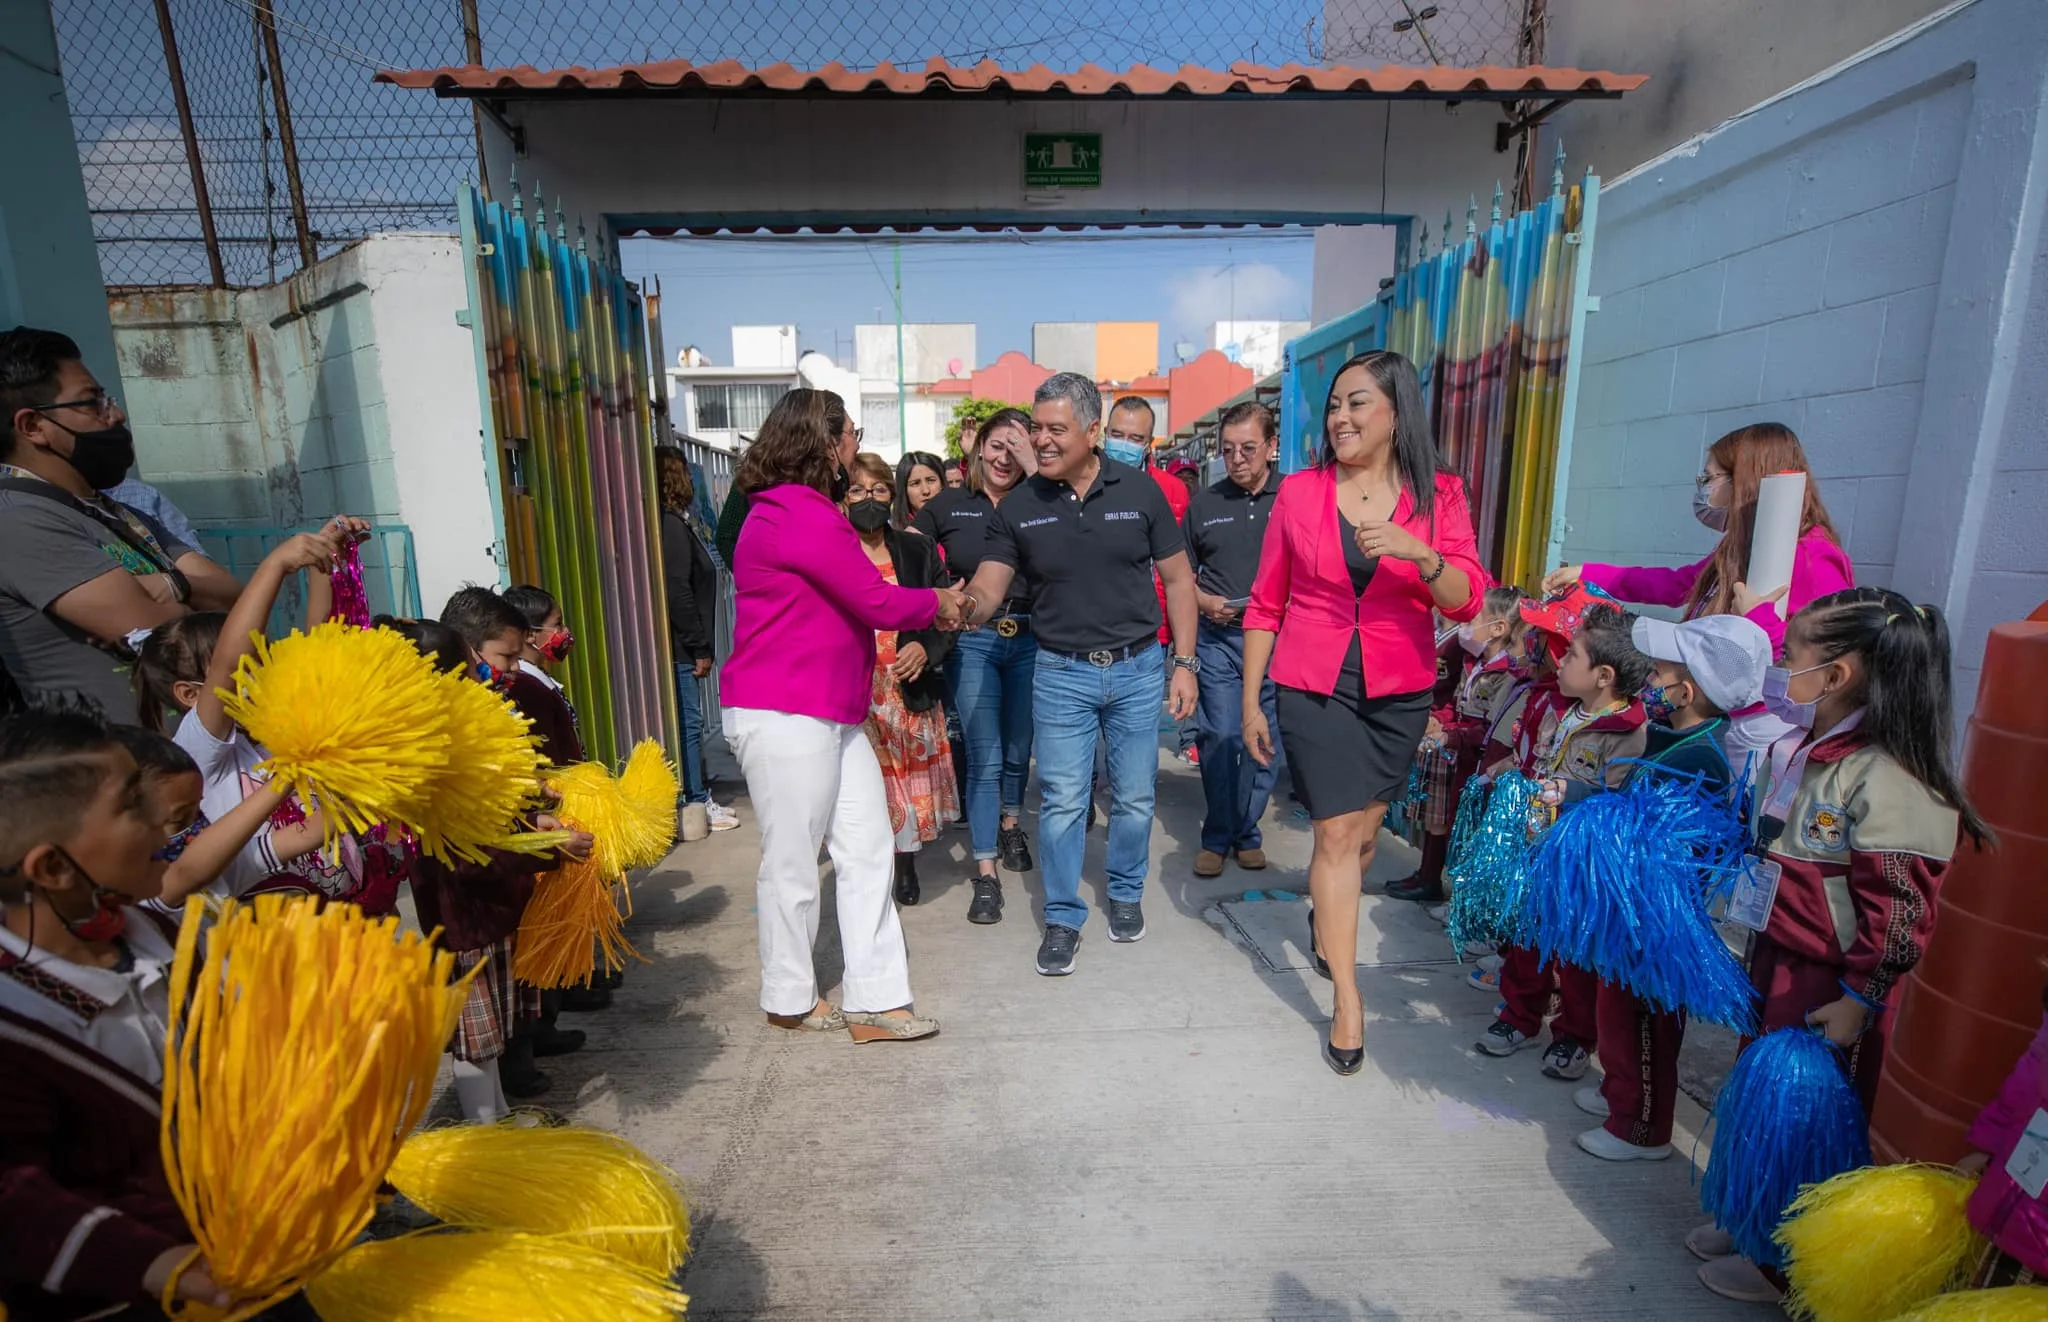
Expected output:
(1002, 283)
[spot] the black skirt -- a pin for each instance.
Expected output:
(1347, 750)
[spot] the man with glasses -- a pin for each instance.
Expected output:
(1089, 531)
(1226, 527)
(82, 577)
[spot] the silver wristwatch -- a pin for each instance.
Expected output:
(1191, 664)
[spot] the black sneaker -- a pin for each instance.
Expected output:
(583, 1000)
(1565, 1060)
(1126, 921)
(1056, 951)
(1011, 849)
(987, 906)
(549, 1040)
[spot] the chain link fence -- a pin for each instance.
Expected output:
(301, 155)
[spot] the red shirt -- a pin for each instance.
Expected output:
(1176, 493)
(1303, 592)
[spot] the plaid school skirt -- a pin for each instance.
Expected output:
(487, 1016)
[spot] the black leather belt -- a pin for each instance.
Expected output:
(1010, 623)
(1105, 657)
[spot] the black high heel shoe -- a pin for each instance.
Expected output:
(1344, 1060)
(1322, 965)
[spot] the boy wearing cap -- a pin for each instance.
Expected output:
(1700, 671)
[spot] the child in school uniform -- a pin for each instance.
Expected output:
(477, 906)
(2012, 1217)
(1860, 826)
(1701, 670)
(1576, 730)
(88, 1225)
(1461, 726)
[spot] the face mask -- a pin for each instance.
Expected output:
(869, 515)
(1471, 642)
(1125, 452)
(842, 482)
(1778, 699)
(102, 457)
(486, 673)
(109, 917)
(1703, 509)
(1657, 703)
(177, 843)
(556, 645)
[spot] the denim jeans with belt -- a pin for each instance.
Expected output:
(1236, 786)
(690, 719)
(991, 678)
(1075, 702)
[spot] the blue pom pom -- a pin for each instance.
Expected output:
(1621, 884)
(1485, 872)
(1787, 1117)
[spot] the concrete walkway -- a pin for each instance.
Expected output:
(1154, 1137)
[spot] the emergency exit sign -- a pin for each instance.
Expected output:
(1063, 160)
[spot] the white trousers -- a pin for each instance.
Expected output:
(813, 782)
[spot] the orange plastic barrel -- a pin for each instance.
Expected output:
(1970, 1008)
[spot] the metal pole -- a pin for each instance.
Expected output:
(266, 20)
(473, 51)
(200, 197)
(902, 422)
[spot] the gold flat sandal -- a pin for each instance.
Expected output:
(888, 1027)
(810, 1023)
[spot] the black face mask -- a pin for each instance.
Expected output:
(842, 482)
(869, 515)
(102, 457)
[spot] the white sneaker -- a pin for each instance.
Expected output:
(1609, 1148)
(722, 817)
(1439, 912)
(1589, 1100)
(1489, 963)
(1482, 950)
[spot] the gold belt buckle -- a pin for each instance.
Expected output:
(1008, 627)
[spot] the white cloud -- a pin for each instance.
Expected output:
(138, 163)
(1240, 291)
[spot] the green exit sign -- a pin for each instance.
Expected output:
(1063, 160)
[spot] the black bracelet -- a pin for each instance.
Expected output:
(1437, 573)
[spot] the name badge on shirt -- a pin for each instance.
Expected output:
(1755, 894)
(2028, 1164)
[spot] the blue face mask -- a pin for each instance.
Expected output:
(1125, 452)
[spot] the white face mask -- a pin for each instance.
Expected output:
(1712, 515)
(1470, 641)
(1778, 699)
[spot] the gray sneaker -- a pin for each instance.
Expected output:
(1126, 921)
(1056, 951)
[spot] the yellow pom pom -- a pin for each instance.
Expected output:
(632, 817)
(573, 916)
(1872, 1243)
(459, 1276)
(295, 1061)
(493, 773)
(650, 787)
(568, 1181)
(2010, 1303)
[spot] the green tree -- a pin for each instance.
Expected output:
(971, 409)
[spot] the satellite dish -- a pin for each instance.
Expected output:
(1186, 349)
(952, 367)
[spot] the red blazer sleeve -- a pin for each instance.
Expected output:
(1274, 582)
(1458, 545)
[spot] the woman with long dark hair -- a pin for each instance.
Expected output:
(1362, 551)
(795, 698)
(1724, 500)
(690, 582)
(990, 670)
(919, 477)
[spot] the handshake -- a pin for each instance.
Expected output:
(955, 609)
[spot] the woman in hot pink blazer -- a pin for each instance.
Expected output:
(1361, 553)
(794, 694)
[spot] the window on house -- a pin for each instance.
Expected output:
(737, 407)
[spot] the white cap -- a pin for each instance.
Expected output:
(1726, 654)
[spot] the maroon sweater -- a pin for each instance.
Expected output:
(84, 1203)
(475, 904)
(552, 718)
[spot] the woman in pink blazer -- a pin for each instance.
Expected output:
(1361, 552)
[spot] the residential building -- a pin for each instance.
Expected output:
(725, 404)
(1102, 350)
(932, 352)
(1258, 345)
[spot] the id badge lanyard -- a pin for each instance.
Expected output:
(1755, 892)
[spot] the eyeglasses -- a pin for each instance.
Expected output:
(99, 402)
(858, 434)
(868, 493)
(1243, 451)
(1705, 480)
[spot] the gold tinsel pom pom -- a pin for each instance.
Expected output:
(297, 1057)
(570, 1181)
(574, 916)
(650, 787)
(357, 721)
(1867, 1245)
(460, 1276)
(2010, 1303)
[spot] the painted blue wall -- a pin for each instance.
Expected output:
(49, 270)
(1856, 258)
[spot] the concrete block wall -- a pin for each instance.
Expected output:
(1858, 259)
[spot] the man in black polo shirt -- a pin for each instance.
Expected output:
(1226, 525)
(1088, 532)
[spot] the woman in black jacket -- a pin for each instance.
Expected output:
(690, 582)
(906, 714)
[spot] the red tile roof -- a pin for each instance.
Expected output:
(938, 78)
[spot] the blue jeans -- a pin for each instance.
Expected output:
(991, 678)
(690, 719)
(1236, 786)
(1074, 703)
